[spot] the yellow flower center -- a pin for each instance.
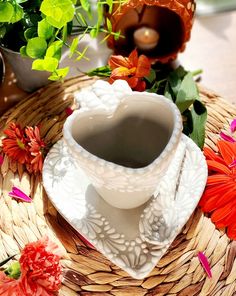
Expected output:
(20, 144)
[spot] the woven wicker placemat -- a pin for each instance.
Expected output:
(86, 271)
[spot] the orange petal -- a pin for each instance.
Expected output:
(133, 81)
(231, 231)
(218, 179)
(223, 212)
(133, 58)
(227, 197)
(218, 167)
(143, 67)
(208, 204)
(211, 155)
(121, 72)
(227, 150)
(212, 191)
(231, 218)
(118, 61)
(141, 86)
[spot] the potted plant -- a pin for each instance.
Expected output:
(33, 33)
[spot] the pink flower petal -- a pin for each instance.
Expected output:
(69, 111)
(233, 126)
(1, 159)
(227, 138)
(18, 194)
(205, 264)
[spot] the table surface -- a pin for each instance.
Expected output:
(212, 48)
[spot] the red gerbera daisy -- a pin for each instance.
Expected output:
(219, 198)
(15, 144)
(36, 148)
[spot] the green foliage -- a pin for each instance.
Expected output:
(58, 12)
(36, 47)
(13, 271)
(179, 86)
(39, 29)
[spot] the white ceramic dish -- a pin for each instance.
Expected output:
(122, 235)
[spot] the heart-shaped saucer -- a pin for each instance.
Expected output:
(115, 232)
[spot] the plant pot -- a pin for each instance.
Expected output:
(27, 79)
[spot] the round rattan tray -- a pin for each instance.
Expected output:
(86, 271)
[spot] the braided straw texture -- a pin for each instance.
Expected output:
(86, 271)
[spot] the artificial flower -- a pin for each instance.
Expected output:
(20, 195)
(15, 144)
(219, 197)
(24, 146)
(40, 271)
(132, 69)
(36, 148)
(205, 264)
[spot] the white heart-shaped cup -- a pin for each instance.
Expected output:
(125, 152)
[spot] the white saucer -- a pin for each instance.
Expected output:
(117, 233)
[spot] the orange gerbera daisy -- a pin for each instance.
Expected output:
(132, 69)
(15, 144)
(219, 198)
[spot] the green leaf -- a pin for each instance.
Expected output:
(13, 271)
(74, 46)
(6, 260)
(18, 14)
(54, 50)
(36, 47)
(82, 19)
(117, 35)
(151, 77)
(187, 93)
(82, 54)
(21, 1)
(110, 5)
(6, 12)
(94, 32)
(47, 64)
(168, 93)
(30, 33)
(85, 5)
(199, 117)
(23, 51)
(2, 31)
(59, 74)
(45, 30)
(104, 71)
(109, 25)
(187, 122)
(58, 12)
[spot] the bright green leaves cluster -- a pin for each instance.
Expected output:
(58, 12)
(45, 30)
(36, 47)
(11, 11)
(42, 27)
